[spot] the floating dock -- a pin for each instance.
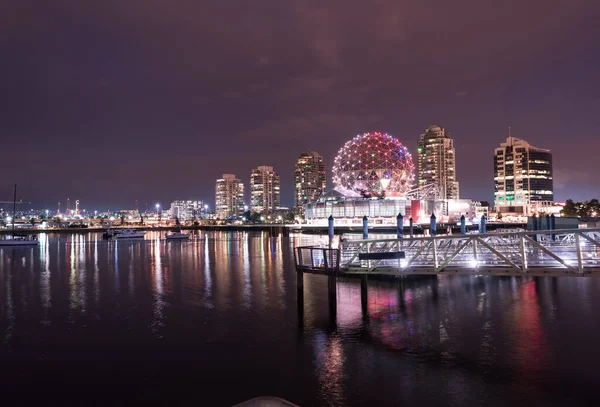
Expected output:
(566, 252)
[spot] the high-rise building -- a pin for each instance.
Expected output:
(437, 161)
(522, 177)
(229, 197)
(264, 189)
(187, 210)
(309, 178)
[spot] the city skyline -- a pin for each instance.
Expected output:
(110, 115)
(214, 205)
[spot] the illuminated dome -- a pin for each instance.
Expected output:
(374, 164)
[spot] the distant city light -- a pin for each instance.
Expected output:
(112, 218)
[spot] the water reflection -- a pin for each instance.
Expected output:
(158, 290)
(224, 303)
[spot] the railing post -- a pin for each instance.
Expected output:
(368, 260)
(325, 262)
(474, 250)
(400, 225)
(339, 259)
(330, 230)
(523, 254)
(579, 254)
(435, 257)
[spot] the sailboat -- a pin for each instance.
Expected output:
(18, 240)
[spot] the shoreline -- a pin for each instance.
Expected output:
(274, 229)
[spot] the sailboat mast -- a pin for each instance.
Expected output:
(14, 211)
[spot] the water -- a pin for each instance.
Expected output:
(218, 320)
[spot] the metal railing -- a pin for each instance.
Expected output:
(570, 251)
(315, 258)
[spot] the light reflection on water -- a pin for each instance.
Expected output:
(225, 307)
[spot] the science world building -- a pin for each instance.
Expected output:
(374, 176)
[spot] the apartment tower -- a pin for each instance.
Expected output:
(309, 179)
(264, 190)
(437, 162)
(229, 197)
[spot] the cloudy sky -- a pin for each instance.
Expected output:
(112, 101)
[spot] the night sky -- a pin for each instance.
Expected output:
(112, 101)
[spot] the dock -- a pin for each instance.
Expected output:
(562, 252)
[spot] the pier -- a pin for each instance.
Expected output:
(567, 252)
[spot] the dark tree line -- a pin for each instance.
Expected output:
(581, 209)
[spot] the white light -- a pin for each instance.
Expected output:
(8, 218)
(473, 263)
(112, 218)
(157, 206)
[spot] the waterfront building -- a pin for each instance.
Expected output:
(373, 174)
(309, 179)
(185, 210)
(437, 162)
(265, 188)
(229, 197)
(523, 180)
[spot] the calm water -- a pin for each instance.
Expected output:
(218, 320)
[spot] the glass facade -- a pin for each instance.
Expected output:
(522, 176)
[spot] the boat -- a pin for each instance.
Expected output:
(109, 234)
(177, 235)
(129, 234)
(18, 240)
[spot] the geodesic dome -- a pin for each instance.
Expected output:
(373, 164)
